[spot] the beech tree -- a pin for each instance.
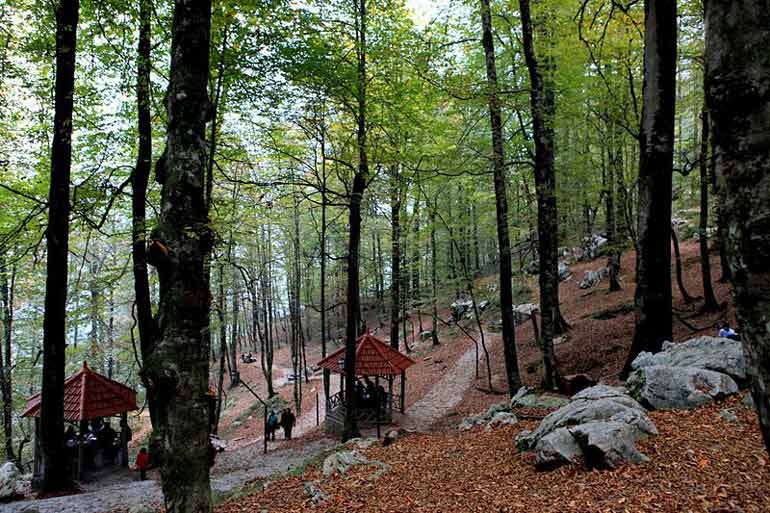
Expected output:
(737, 85)
(177, 369)
(55, 476)
(652, 298)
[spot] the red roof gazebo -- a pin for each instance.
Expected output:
(89, 395)
(373, 358)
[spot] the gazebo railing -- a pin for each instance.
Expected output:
(366, 414)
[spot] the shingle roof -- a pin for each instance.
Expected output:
(88, 395)
(373, 358)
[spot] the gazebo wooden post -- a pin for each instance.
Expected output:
(83, 427)
(37, 465)
(124, 439)
(377, 404)
(403, 391)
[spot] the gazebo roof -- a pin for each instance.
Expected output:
(88, 395)
(373, 358)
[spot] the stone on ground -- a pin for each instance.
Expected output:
(556, 448)
(313, 492)
(664, 387)
(596, 404)
(502, 418)
(711, 353)
(12, 483)
(341, 461)
(607, 445)
(525, 398)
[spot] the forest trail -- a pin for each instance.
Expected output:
(133, 494)
(444, 395)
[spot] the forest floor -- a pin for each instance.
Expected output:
(700, 462)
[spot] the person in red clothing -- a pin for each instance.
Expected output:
(142, 463)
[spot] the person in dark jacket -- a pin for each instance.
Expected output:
(288, 420)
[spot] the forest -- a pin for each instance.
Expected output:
(221, 210)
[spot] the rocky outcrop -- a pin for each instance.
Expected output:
(711, 353)
(592, 246)
(496, 415)
(524, 312)
(12, 483)
(671, 388)
(564, 272)
(525, 398)
(341, 461)
(600, 423)
(591, 278)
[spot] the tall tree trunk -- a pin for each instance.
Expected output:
(235, 376)
(709, 299)
(737, 85)
(350, 429)
(542, 105)
(7, 282)
(396, 193)
(433, 275)
(139, 181)
(324, 334)
(221, 305)
(416, 253)
(679, 276)
(615, 165)
(178, 368)
(656, 159)
(55, 475)
(501, 205)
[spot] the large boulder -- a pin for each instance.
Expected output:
(557, 448)
(711, 353)
(598, 403)
(341, 461)
(524, 312)
(461, 308)
(525, 398)
(564, 272)
(607, 445)
(591, 278)
(672, 388)
(12, 483)
(591, 247)
(500, 419)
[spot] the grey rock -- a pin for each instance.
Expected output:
(591, 278)
(607, 445)
(525, 398)
(728, 415)
(557, 448)
(313, 492)
(591, 246)
(748, 401)
(666, 387)
(341, 461)
(711, 353)
(564, 272)
(598, 403)
(502, 418)
(12, 483)
(524, 311)
(495, 409)
(425, 335)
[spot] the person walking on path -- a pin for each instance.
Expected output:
(142, 463)
(272, 426)
(288, 420)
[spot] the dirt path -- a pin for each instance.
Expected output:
(444, 395)
(132, 495)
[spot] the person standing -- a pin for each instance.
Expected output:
(142, 463)
(288, 420)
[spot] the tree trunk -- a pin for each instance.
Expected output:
(433, 275)
(221, 305)
(737, 85)
(615, 165)
(709, 299)
(350, 429)
(542, 104)
(6, 388)
(656, 159)
(395, 253)
(678, 259)
(501, 205)
(178, 368)
(235, 376)
(324, 334)
(55, 476)
(139, 180)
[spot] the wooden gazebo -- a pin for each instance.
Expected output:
(87, 396)
(374, 358)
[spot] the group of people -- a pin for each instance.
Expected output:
(369, 395)
(98, 440)
(287, 421)
(248, 358)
